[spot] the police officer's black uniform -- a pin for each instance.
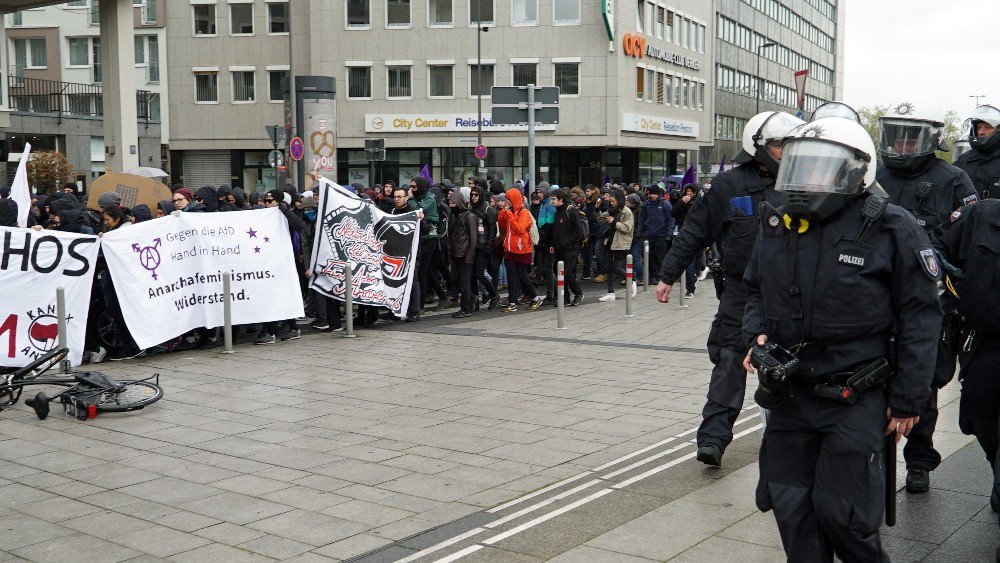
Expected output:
(982, 164)
(725, 216)
(930, 189)
(832, 292)
(973, 245)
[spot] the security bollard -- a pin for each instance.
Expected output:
(680, 293)
(61, 320)
(628, 286)
(560, 296)
(348, 301)
(645, 266)
(227, 312)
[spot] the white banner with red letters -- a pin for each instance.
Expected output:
(168, 273)
(33, 265)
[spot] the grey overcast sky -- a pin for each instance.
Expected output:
(946, 50)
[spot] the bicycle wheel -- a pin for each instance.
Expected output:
(129, 396)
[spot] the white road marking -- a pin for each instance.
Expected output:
(545, 502)
(546, 517)
(460, 554)
(442, 545)
(519, 500)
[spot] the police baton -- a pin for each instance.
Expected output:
(890, 480)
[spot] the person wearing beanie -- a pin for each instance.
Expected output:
(140, 213)
(184, 201)
(463, 233)
(466, 194)
(487, 232)
(618, 241)
(108, 199)
(8, 213)
(656, 225)
(276, 199)
(515, 221)
(206, 196)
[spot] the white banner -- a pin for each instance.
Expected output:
(381, 249)
(32, 266)
(659, 125)
(168, 272)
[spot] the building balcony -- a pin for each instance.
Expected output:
(68, 99)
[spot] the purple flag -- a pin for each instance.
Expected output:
(689, 176)
(425, 172)
(607, 177)
(722, 164)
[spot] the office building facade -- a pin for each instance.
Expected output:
(635, 86)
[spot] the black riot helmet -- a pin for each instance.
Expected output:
(824, 166)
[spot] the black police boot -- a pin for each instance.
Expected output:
(917, 480)
(710, 454)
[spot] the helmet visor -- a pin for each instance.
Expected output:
(989, 114)
(836, 109)
(901, 137)
(777, 127)
(814, 166)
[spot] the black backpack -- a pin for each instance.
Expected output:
(583, 225)
(444, 212)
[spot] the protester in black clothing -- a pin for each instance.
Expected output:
(8, 213)
(275, 198)
(680, 211)
(463, 232)
(487, 232)
(566, 242)
(206, 196)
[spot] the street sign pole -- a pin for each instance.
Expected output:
(531, 139)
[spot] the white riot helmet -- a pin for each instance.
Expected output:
(825, 165)
(989, 115)
(910, 132)
(763, 129)
(836, 109)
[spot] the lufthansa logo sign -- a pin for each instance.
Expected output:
(635, 46)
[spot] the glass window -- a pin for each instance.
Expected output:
(140, 50)
(525, 12)
(669, 90)
(359, 82)
(525, 73)
(701, 39)
(441, 80)
(659, 87)
(568, 78)
(648, 18)
(481, 11)
(659, 22)
(440, 12)
(241, 19)
(481, 83)
(399, 79)
(640, 13)
(684, 32)
(79, 51)
(650, 84)
(677, 29)
(243, 86)
(668, 26)
(153, 72)
(276, 85)
(38, 53)
(358, 13)
(206, 87)
(566, 11)
(204, 19)
(640, 82)
(701, 95)
(277, 17)
(397, 13)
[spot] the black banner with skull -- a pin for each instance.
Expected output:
(380, 249)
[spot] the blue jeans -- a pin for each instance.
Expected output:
(691, 276)
(636, 252)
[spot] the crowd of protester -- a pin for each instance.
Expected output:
(477, 241)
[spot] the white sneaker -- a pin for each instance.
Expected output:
(607, 297)
(703, 274)
(635, 288)
(98, 356)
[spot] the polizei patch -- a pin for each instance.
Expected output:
(858, 261)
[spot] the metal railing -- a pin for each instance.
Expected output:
(34, 95)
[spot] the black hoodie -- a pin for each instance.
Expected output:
(241, 199)
(167, 207)
(463, 230)
(208, 196)
(488, 215)
(8, 213)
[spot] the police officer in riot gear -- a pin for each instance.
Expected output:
(833, 271)
(972, 244)
(726, 217)
(931, 189)
(836, 109)
(982, 163)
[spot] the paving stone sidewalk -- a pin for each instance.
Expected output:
(327, 447)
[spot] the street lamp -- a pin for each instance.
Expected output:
(479, 72)
(759, 47)
(977, 99)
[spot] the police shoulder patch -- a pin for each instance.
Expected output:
(929, 263)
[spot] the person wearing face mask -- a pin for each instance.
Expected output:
(727, 217)
(931, 190)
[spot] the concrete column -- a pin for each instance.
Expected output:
(121, 132)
